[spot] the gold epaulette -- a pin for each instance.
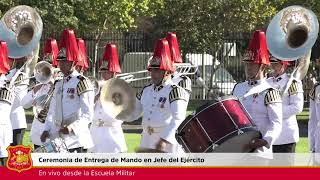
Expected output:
(21, 79)
(84, 85)
(313, 91)
(139, 94)
(293, 89)
(6, 95)
(177, 93)
(185, 83)
(272, 96)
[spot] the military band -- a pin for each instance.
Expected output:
(69, 109)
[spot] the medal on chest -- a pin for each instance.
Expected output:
(70, 93)
(255, 97)
(162, 100)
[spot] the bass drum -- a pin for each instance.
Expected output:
(222, 125)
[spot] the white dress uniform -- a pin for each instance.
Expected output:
(164, 108)
(265, 108)
(314, 120)
(6, 98)
(106, 132)
(72, 106)
(292, 104)
(37, 125)
(18, 115)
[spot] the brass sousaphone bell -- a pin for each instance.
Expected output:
(21, 27)
(292, 33)
(118, 98)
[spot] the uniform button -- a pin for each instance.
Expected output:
(149, 119)
(152, 105)
(150, 112)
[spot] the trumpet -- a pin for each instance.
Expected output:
(181, 68)
(43, 73)
(42, 103)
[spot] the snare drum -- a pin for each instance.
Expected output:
(222, 125)
(56, 145)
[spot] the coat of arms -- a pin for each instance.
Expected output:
(19, 158)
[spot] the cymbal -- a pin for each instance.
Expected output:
(118, 98)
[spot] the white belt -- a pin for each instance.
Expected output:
(101, 123)
(151, 130)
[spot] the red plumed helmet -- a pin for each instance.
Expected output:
(161, 58)
(257, 51)
(174, 47)
(82, 56)
(50, 51)
(68, 46)
(110, 60)
(4, 61)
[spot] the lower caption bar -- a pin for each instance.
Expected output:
(172, 173)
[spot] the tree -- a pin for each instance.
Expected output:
(204, 22)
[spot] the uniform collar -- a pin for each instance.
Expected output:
(158, 88)
(279, 78)
(255, 82)
(73, 74)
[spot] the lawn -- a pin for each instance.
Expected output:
(133, 139)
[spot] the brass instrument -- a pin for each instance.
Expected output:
(290, 36)
(292, 32)
(181, 68)
(21, 27)
(43, 73)
(42, 103)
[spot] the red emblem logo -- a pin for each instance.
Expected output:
(19, 158)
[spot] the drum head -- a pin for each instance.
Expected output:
(238, 143)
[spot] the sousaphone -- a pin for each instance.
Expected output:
(21, 27)
(292, 33)
(118, 98)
